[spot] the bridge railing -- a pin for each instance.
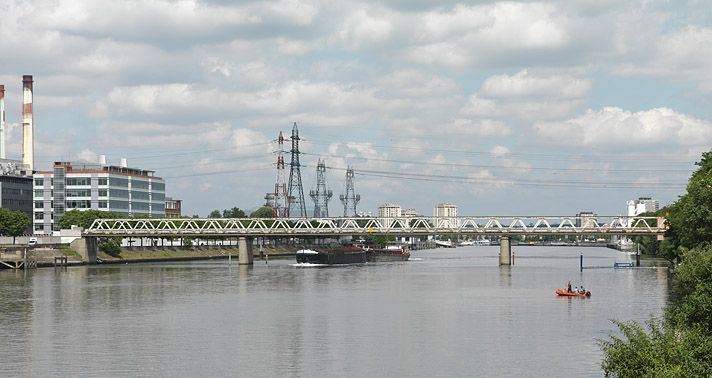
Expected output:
(475, 225)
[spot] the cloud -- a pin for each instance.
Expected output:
(680, 54)
(613, 127)
(524, 84)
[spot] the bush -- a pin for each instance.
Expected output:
(111, 246)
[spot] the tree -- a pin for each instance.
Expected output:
(690, 217)
(13, 223)
(691, 304)
(84, 218)
(110, 246)
(235, 212)
(214, 214)
(658, 352)
(263, 212)
(681, 344)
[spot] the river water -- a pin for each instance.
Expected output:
(449, 312)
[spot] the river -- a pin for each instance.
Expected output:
(448, 312)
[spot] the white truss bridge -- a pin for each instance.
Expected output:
(404, 226)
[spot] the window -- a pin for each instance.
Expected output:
(118, 193)
(158, 186)
(78, 181)
(39, 182)
(39, 216)
(139, 184)
(159, 196)
(78, 204)
(39, 193)
(118, 204)
(103, 204)
(78, 193)
(103, 193)
(103, 181)
(139, 206)
(39, 205)
(117, 181)
(39, 227)
(139, 195)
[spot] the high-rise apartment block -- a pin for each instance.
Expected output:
(446, 215)
(83, 186)
(642, 205)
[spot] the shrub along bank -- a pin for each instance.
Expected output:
(679, 344)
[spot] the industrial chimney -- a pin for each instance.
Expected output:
(2, 122)
(28, 153)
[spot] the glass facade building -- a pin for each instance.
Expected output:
(82, 186)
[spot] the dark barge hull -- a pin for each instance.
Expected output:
(382, 255)
(333, 256)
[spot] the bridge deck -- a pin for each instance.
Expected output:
(411, 226)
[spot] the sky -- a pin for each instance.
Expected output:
(502, 108)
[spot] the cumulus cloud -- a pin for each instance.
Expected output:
(613, 127)
(524, 84)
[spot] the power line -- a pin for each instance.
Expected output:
(498, 166)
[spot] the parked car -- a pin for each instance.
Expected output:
(32, 242)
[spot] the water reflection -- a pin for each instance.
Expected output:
(449, 312)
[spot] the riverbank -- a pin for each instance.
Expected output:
(160, 254)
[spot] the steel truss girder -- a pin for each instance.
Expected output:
(412, 226)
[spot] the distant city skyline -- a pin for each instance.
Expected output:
(518, 107)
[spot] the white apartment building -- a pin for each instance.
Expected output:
(446, 215)
(642, 205)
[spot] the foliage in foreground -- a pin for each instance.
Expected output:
(659, 351)
(681, 344)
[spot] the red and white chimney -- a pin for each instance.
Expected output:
(2, 122)
(28, 150)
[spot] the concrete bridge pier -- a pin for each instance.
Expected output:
(87, 247)
(505, 251)
(244, 245)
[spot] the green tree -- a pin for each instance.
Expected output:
(110, 246)
(84, 218)
(681, 344)
(235, 212)
(691, 304)
(263, 212)
(214, 214)
(690, 218)
(657, 352)
(13, 223)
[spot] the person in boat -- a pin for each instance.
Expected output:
(582, 290)
(568, 287)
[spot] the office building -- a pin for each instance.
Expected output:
(15, 187)
(83, 186)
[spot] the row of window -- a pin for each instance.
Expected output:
(15, 192)
(104, 181)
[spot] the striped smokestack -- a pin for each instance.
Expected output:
(2, 122)
(28, 152)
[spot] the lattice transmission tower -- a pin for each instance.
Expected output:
(321, 196)
(350, 199)
(295, 198)
(281, 205)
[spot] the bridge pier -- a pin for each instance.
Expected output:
(505, 251)
(244, 245)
